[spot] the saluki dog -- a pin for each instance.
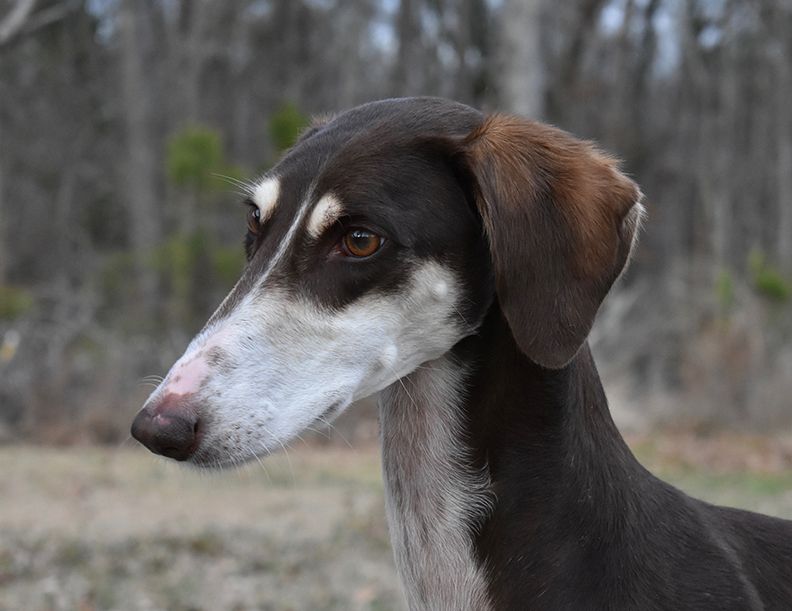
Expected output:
(453, 262)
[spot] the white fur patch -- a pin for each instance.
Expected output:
(265, 196)
(434, 497)
(281, 364)
(324, 214)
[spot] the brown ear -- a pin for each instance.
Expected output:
(560, 219)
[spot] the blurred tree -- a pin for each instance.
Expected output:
(522, 75)
(777, 18)
(194, 159)
(14, 21)
(286, 123)
(196, 165)
(18, 21)
(409, 52)
(141, 159)
(106, 162)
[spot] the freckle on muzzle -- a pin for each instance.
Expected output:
(170, 426)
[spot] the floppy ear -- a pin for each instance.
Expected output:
(560, 220)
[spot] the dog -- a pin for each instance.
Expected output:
(453, 262)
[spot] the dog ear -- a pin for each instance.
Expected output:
(315, 126)
(560, 220)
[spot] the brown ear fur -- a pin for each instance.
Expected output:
(560, 219)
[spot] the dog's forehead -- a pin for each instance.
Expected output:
(364, 162)
(355, 150)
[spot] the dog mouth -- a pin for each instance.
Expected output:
(211, 461)
(216, 454)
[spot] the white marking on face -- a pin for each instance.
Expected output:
(435, 498)
(287, 241)
(265, 196)
(282, 363)
(189, 373)
(325, 213)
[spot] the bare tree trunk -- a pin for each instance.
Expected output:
(784, 225)
(582, 29)
(10, 26)
(723, 145)
(289, 20)
(460, 37)
(710, 112)
(408, 33)
(784, 143)
(522, 78)
(191, 44)
(140, 170)
(240, 54)
(4, 250)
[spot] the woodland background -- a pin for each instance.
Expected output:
(124, 125)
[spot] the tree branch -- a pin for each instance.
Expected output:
(13, 23)
(22, 21)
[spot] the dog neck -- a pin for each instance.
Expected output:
(484, 453)
(435, 497)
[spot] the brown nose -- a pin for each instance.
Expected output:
(169, 427)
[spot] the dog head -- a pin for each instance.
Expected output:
(376, 244)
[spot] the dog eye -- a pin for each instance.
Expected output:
(360, 243)
(253, 219)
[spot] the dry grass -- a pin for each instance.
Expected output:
(94, 528)
(91, 528)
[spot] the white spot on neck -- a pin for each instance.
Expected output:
(440, 290)
(389, 356)
(324, 214)
(434, 495)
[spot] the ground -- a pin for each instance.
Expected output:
(117, 528)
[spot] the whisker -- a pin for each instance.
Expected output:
(469, 327)
(407, 392)
(124, 442)
(248, 187)
(152, 378)
(264, 468)
(335, 430)
(285, 451)
(321, 432)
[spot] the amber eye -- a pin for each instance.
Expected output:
(254, 219)
(361, 243)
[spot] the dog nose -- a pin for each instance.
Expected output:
(169, 427)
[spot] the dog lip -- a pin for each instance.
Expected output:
(206, 459)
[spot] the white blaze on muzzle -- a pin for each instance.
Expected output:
(275, 365)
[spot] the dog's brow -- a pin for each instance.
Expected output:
(324, 214)
(265, 196)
